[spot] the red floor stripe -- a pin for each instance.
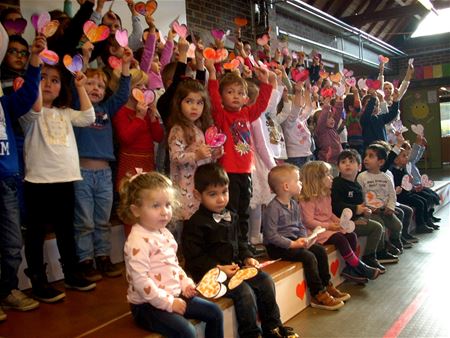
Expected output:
(406, 316)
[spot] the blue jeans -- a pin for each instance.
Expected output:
(93, 204)
(298, 161)
(10, 236)
(171, 324)
(252, 297)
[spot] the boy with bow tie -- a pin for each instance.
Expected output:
(211, 238)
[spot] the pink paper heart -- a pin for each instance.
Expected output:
(347, 72)
(217, 34)
(34, 20)
(263, 40)
(383, 59)
(373, 84)
(122, 37)
(180, 29)
(191, 51)
(340, 90)
(114, 62)
(74, 64)
(49, 57)
(149, 96)
(351, 81)
(43, 19)
(426, 182)
(16, 26)
(213, 138)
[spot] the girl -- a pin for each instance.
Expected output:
(52, 166)
(190, 117)
(162, 297)
(315, 204)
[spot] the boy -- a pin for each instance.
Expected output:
(15, 104)
(233, 119)
(347, 193)
(379, 193)
(212, 238)
(286, 237)
(94, 194)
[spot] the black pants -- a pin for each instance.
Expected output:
(49, 204)
(240, 188)
(315, 264)
(431, 196)
(418, 203)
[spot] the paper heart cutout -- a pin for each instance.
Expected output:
(34, 20)
(233, 64)
(17, 26)
(191, 51)
(336, 78)
(240, 276)
(18, 83)
(140, 8)
(346, 221)
(417, 129)
(180, 29)
(398, 126)
(373, 84)
(74, 64)
(151, 7)
(211, 285)
(50, 28)
(323, 74)
(213, 138)
(300, 290)
(373, 201)
(240, 22)
(347, 72)
(362, 84)
(334, 267)
(138, 95)
(114, 62)
(406, 183)
(299, 75)
(327, 92)
(351, 81)
(121, 36)
(263, 40)
(218, 34)
(39, 20)
(383, 59)
(426, 181)
(340, 90)
(149, 96)
(49, 57)
(216, 55)
(95, 33)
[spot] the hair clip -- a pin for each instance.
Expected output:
(139, 172)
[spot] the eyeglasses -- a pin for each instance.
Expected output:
(20, 53)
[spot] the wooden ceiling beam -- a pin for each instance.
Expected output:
(327, 6)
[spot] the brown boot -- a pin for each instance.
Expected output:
(324, 301)
(342, 296)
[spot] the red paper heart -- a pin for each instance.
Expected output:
(383, 59)
(233, 64)
(300, 75)
(263, 40)
(373, 84)
(17, 83)
(300, 290)
(114, 62)
(334, 267)
(240, 22)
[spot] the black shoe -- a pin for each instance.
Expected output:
(44, 292)
(385, 257)
(423, 229)
(352, 275)
(405, 243)
(430, 224)
(75, 280)
(281, 332)
(398, 244)
(371, 261)
(435, 219)
(257, 251)
(107, 268)
(393, 250)
(410, 238)
(89, 272)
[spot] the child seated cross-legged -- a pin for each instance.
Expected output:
(286, 237)
(212, 238)
(315, 203)
(162, 297)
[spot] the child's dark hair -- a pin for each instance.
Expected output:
(7, 11)
(350, 154)
(64, 98)
(230, 79)
(210, 174)
(348, 101)
(19, 39)
(131, 192)
(379, 150)
(176, 115)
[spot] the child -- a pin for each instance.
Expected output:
(347, 193)
(352, 106)
(94, 194)
(233, 118)
(315, 205)
(161, 295)
(379, 193)
(285, 237)
(15, 62)
(52, 167)
(15, 104)
(212, 238)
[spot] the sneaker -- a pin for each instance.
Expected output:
(17, 300)
(336, 294)
(2, 315)
(350, 274)
(392, 249)
(405, 243)
(89, 272)
(282, 332)
(107, 268)
(436, 219)
(423, 229)
(323, 300)
(374, 263)
(411, 238)
(398, 244)
(385, 257)
(46, 293)
(257, 251)
(74, 280)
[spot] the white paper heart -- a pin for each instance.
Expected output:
(362, 84)
(346, 221)
(426, 182)
(417, 129)
(406, 183)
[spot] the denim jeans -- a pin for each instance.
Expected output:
(298, 161)
(171, 324)
(252, 297)
(10, 236)
(93, 204)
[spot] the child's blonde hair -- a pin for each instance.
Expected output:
(131, 189)
(312, 175)
(279, 174)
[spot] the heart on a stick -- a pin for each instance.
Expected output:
(213, 138)
(417, 129)
(406, 183)
(121, 36)
(74, 64)
(95, 33)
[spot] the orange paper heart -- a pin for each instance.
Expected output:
(233, 64)
(151, 7)
(323, 74)
(336, 78)
(50, 28)
(138, 95)
(240, 22)
(95, 33)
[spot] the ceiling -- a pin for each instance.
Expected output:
(392, 21)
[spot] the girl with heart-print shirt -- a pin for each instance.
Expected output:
(161, 295)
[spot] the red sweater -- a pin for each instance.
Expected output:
(238, 157)
(136, 135)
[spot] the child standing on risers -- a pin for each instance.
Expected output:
(315, 205)
(52, 168)
(347, 193)
(212, 238)
(233, 118)
(94, 194)
(286, 237)
(161, 295)
(379, 193)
